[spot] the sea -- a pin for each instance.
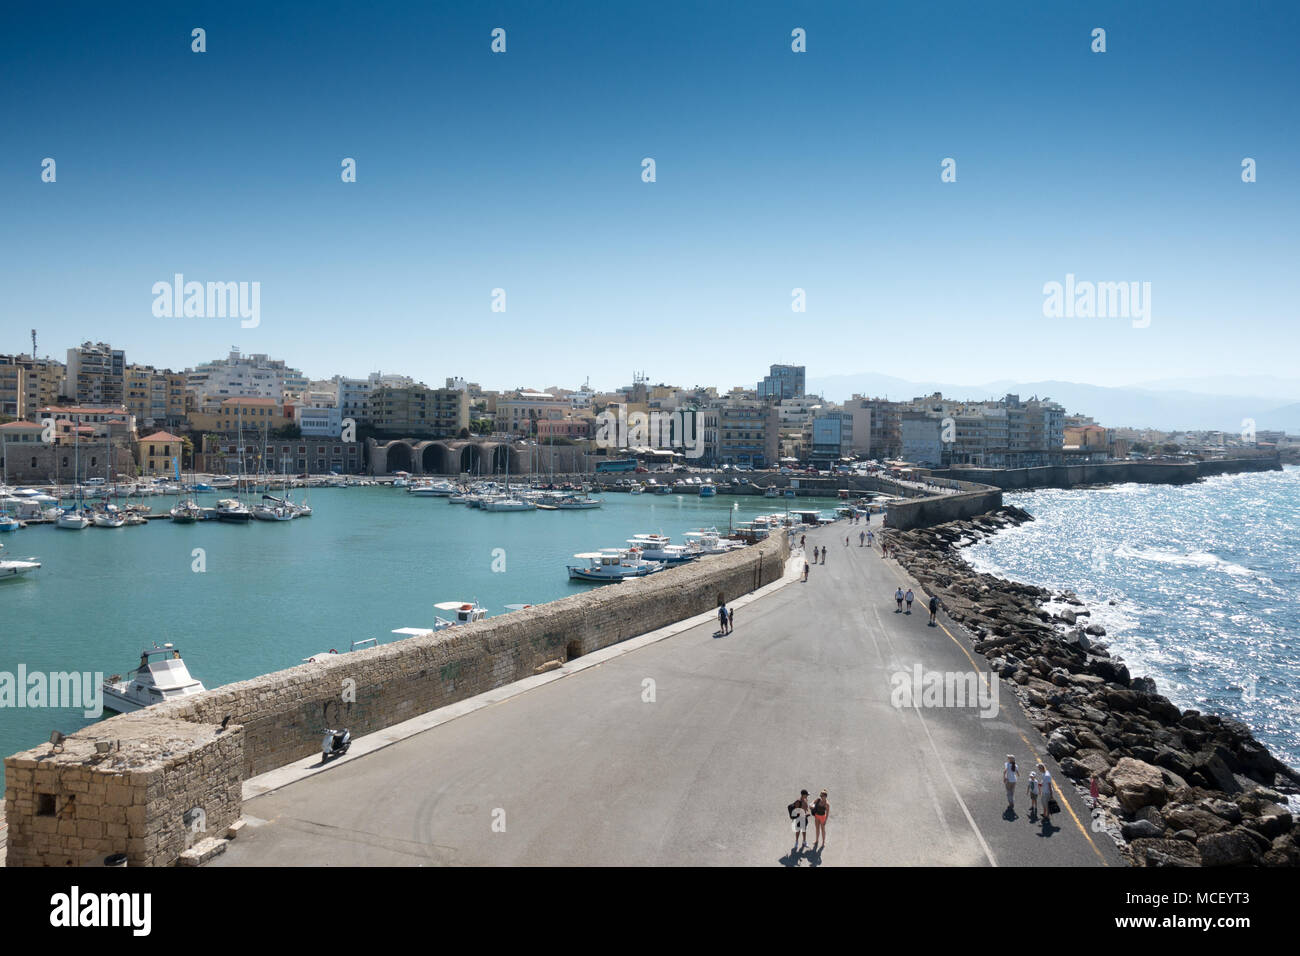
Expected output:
(1198, 586)
(241, 600)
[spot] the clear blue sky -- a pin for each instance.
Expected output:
(775, 170)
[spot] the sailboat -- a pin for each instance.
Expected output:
(76, 519)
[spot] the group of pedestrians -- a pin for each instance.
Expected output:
(801, 811)
(726, 618)
(1041, 787)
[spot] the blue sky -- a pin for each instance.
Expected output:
(775, 170)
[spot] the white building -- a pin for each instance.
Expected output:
(245, 376)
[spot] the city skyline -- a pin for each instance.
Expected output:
(776, 171)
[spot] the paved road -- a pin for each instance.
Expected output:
(584, 771)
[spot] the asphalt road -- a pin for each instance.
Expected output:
(587, 771)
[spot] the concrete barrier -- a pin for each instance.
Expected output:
(132, 793)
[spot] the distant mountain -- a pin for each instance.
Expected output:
(1284, 390)
(1164, 409)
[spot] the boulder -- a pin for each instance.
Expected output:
(1233, 848)
(1202, 822)
(1137, 784)
(1140, 829)
(1148, 852)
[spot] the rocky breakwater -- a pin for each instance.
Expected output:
(1179, 788)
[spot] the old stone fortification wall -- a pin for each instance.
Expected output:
(1110, 472)
(158, 786)
(174, 757)
(926, 512)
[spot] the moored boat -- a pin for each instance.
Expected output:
(162, 675)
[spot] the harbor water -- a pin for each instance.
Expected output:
(240, 600)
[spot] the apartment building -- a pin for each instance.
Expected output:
(96, 374)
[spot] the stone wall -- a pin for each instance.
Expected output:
(174, 757)
(1111, 472)
(929, 511)
(159, 784)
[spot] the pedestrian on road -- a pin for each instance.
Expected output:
(802, 539)
(898, 599)
(846, 541)
(1048, 791)
(909, 596)
(799, 819)
(816, 551)
(1033, 794)
(722, 618)
(805, 570)
(1010, 779)
(862, 538)
(824, 550)
(934, 610)
(1094, 789)
(821, 809)
(871, 538)
(731, 619)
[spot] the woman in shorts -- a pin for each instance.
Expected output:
(821, 809)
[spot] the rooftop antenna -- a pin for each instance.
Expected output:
(33, 343)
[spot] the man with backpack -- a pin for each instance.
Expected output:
(799, 819)
(934, 609)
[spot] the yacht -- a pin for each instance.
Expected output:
(162, 675)
(109, 517)
(576, 503)
(432, 489)
(187, 512)
(72, 520)
(615, 564)
(232, 509)
(708, 541)
(466, 613)
(507, 504)
(657, 547)
(14, 569)
(264, 512)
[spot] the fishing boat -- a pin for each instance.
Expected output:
(15, 569)
(9, 523)
(467, 612)
(232, 509)
(162, 675)
(615, 564)
(771, 492)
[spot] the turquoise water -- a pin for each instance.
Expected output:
(1197, 586)
(369, 560)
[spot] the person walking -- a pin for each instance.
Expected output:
(862, 539)
(731, 618)
(821, 810)
(1046, 789)
(816, 551)
(824, 550)
(909, 597)
(1033, 794)
(722, 618)
(799, 820)
(805, 570)
(898, 599)
(934, 609)
(871, 538)
(802, 539)
(1010, 779)
(846, 541)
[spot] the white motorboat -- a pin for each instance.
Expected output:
(162, 675)
(232, 509)
(356, 646)
(16, 569)
(658, 547)
(466, 613)
(709, 541)
(432, 489)
(636, 489)
(771, 492)
(615, 564)
(135, 518)
(272, 513)
(707, 490)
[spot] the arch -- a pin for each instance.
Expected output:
(400, 457)
(470, 459)
(435, 458)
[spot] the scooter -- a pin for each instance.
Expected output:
(335, 744)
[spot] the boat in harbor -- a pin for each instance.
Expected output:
(614, 564)
(658, 547)
(466, 612)
(9, 523)
(431, 489)
(507, 504)
(187, 512)
(356, 646)
(636, 489)
(108, 517)
(708, 490)
(162, 675)
(15, 569)
(232, 509)
(576, 503)
(72, 520)
(771, 492)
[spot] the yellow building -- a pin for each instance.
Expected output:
(252, 414)
(155, 453)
